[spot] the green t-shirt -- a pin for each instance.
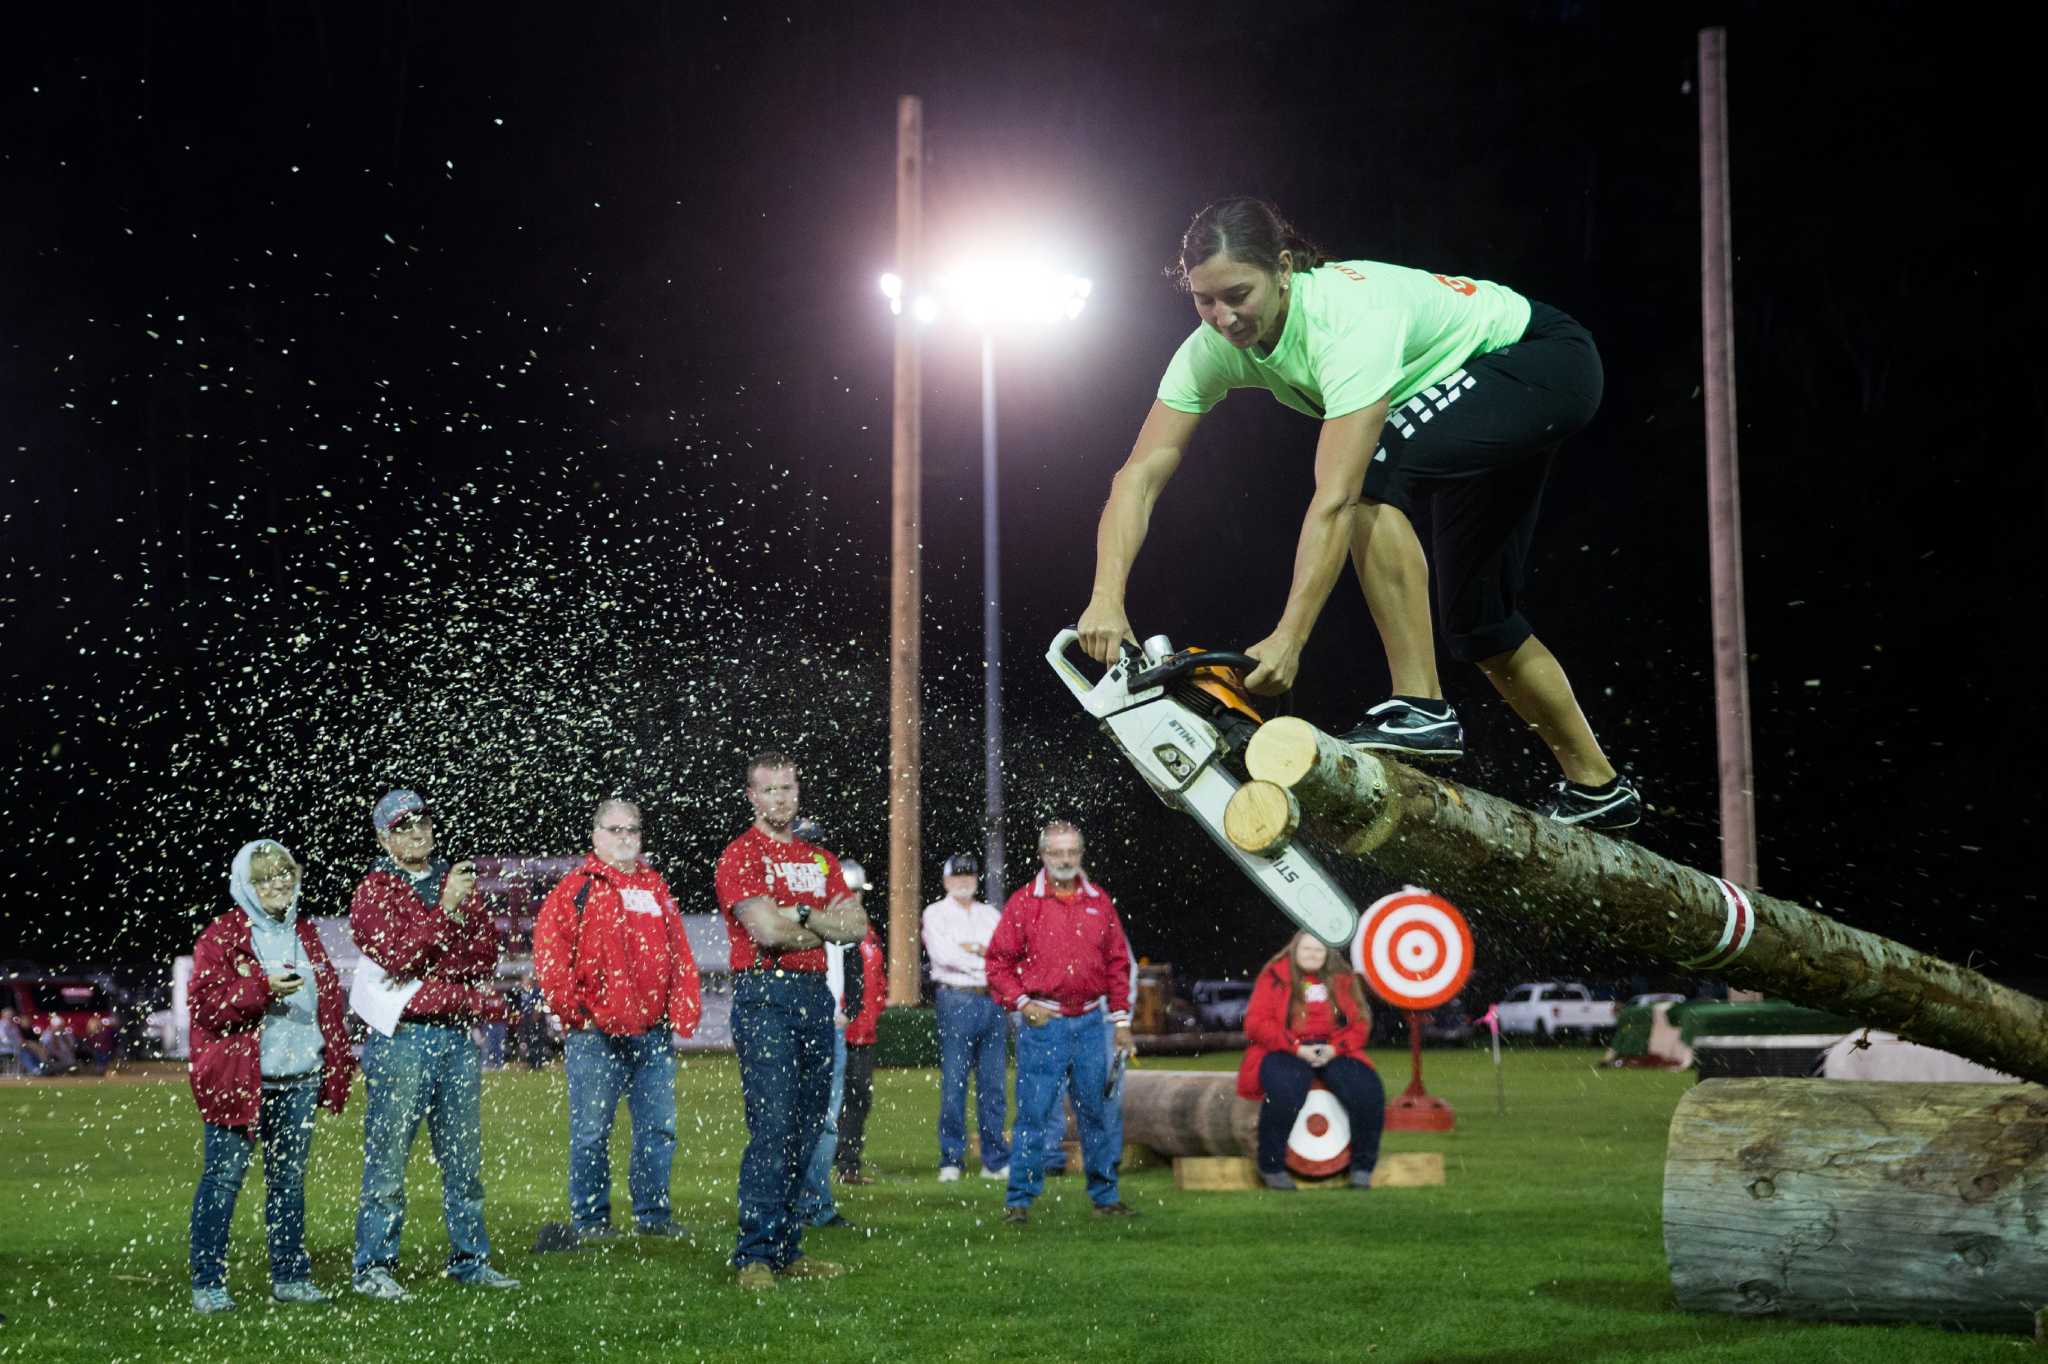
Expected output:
(1357, 331)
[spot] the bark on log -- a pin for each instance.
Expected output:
(1189, 1113)
(1490, 854)
(1860, 1201)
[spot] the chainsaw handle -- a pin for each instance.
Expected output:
(1056, 655)
(1181, 664)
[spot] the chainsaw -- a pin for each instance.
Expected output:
(1180, 716)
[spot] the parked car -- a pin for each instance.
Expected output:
(81, 1004)
(1548, 1008)
(1661, 997)
(1221, 1004)
(1449, 1021)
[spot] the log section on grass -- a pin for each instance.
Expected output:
(1487, 852)
(1863, 1201)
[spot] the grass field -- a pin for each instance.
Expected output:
(1544, 1245)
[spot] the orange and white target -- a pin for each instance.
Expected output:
(1414, 949)
(1320, 1143)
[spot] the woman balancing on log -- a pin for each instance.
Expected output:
(1430, 389)
(1308, 1021)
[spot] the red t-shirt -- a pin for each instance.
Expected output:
(1318, 1018)
(789, 872)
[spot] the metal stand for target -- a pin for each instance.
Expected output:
(1415, 950)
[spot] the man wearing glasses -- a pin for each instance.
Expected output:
(610, 956)
(430, 954)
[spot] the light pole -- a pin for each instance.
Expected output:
(1011, 297)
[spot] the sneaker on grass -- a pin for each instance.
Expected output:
(808, 1268)
(1616, 805)
(1117, 1209)
(298, 1290)
(1361, 1179)
(1278, 1179)
(211, 1302)
(1002, 1172)
(486, 1277)
(378, 1284)
(948, 1173)
(1017, 1217)
(674, 1229)
(1412, 727)
(756, 1277)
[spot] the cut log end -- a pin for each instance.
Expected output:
(1261, 818)
(1283, 751)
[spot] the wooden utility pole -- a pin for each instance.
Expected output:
(1481, 850)
(906, 576)
(1724, 489)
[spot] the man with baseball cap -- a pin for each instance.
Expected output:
(431, 950)
(973, 1034)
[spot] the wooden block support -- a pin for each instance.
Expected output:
(1397, 1170)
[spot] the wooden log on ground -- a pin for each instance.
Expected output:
(1494, 855)
(1189, 1113)
(1860, 1201)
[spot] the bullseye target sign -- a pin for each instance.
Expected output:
(1414, 949)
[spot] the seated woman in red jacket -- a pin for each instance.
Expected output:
(268, 1045)
(1308, 1021)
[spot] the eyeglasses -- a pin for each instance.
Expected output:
(413, 824)
(617, 830)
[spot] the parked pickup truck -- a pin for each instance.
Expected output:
(1548, 1008)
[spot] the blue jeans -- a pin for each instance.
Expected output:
(285, 1128)
(1064, 1051)
(601, 1069)
(814, 1201)
(973, 1038)
(494, 1046)
(430, 1071)
(782, 1032)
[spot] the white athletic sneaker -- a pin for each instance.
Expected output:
(948, 1173)
(1003, 1173)
(379, 1284)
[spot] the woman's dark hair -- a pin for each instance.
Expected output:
(1249, 230)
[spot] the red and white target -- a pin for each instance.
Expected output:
(1414, 949)
(1320, 1143)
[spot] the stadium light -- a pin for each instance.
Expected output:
(1010, 295)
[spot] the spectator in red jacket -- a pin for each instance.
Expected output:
(430, 956)
(611, 957)
(269, 1043)
(1308, 1022)
(860, 1062)
(1057, 954)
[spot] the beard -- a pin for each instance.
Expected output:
(1064, 874)
(780, 825)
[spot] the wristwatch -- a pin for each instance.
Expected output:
(803, 916)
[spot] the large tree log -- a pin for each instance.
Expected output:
(1860, 1201)
(1189, 1113)
(1495, 855)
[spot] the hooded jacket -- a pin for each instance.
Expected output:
(229, 998)
(609, 952)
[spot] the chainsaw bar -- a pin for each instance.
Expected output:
(1180, 755)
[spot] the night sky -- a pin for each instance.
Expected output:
(496, 400)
